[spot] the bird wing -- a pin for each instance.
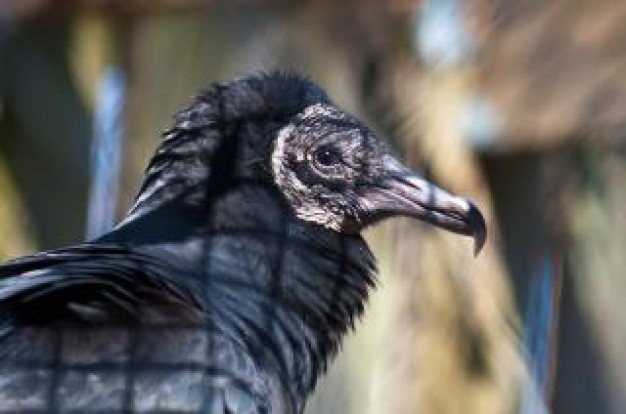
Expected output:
(95, 327)
(90, 283)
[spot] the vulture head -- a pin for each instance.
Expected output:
(282, 131)
(335, 173)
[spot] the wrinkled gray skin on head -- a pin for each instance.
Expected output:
(321, 163)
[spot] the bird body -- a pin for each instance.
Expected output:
(230, 283)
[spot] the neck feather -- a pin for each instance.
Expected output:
(298, 291)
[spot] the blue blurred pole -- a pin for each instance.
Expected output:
(106, 152)
(540, 336)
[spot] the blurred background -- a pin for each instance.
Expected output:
(520, 104)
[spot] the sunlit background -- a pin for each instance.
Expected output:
(520, 104)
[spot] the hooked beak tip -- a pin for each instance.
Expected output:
(479, 228)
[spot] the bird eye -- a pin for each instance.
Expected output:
(327, 156)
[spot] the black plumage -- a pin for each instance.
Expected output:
(230, 283)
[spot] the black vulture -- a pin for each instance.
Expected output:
(230, 283)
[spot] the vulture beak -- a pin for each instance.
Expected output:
(402, 192)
